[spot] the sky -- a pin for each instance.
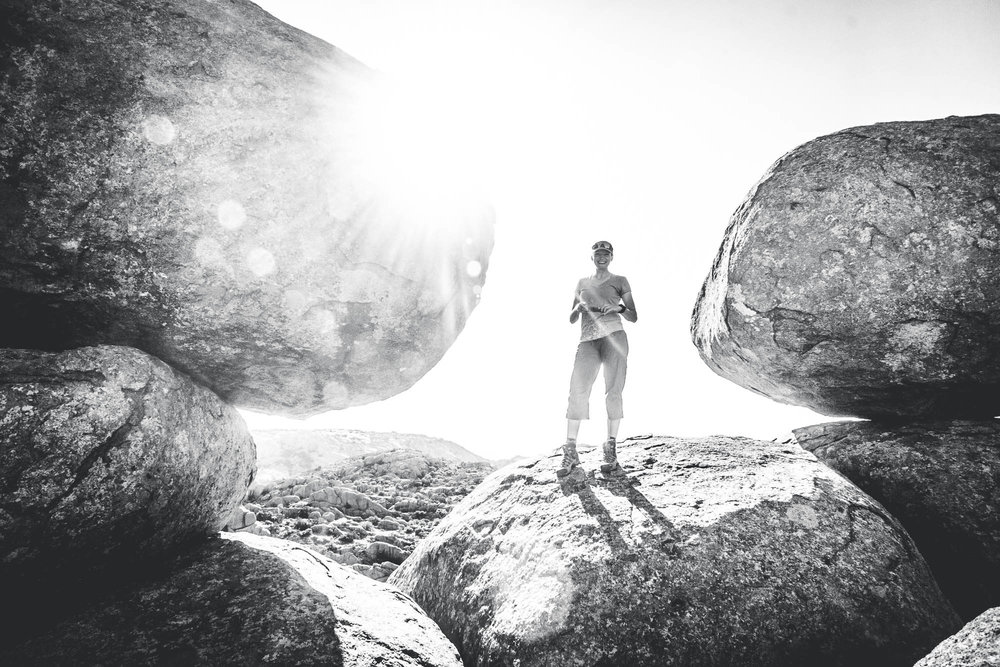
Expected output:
(643, 122)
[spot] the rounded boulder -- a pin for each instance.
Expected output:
(861, 276)
(232, 195)
(942, 481)
(714, 551)
(107, 457)
(241, 600)
(975, 645)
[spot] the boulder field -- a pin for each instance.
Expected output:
(730, 551)
(367, 512)
(942, 481)
(108, 457)
(242, 600)
(203, 182)
(861, 276)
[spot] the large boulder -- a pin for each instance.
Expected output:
(203, 182)
(242, 600)
(731, 552)
(108, 457)
(942, 481)
(975, 645)
(861, 276)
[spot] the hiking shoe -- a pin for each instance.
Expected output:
(612, 470)
(610, 467)
(610, 457)
(570, 460)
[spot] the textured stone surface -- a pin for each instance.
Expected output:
(942, 481)
(731, 552)
(861, 276)
(197, 180)
(975, 645)
(244, 600)
(108, 454)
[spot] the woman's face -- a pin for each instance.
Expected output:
(602, 258)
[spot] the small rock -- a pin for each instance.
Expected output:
(382, 551)
(388, 524)
(241, 519)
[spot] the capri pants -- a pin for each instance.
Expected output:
(611, 351)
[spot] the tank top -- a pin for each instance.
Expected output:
(594, 293)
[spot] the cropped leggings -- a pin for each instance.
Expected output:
(611, 351)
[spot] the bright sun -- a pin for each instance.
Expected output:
(418, 146)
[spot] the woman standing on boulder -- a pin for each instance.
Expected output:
(600, 302)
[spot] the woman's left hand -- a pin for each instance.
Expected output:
(610, 308)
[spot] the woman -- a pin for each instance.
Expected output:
(600, 303)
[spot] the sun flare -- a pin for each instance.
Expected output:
(417, 147)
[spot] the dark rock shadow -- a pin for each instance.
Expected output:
(215, 603)
(579, 484)
(625, 488)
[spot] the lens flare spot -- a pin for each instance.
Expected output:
(231, 214)
(413, 364)
(335, 393)
(474, 269)
(323, 321)
(208, 251)
(296, 301)
(477, 290)
(260, 262)
(470, 248)
(158, 130)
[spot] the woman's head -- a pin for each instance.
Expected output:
(602, 253)
(602, 246)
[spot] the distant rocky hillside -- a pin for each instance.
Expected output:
(285, 453)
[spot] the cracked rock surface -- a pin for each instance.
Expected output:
(861, 276)
(203, 182)
(107, 457)
(731, 551)
(942, 481)
(975, 645)
(243, 600)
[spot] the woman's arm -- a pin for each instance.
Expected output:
(630, 313)
(578, 307)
